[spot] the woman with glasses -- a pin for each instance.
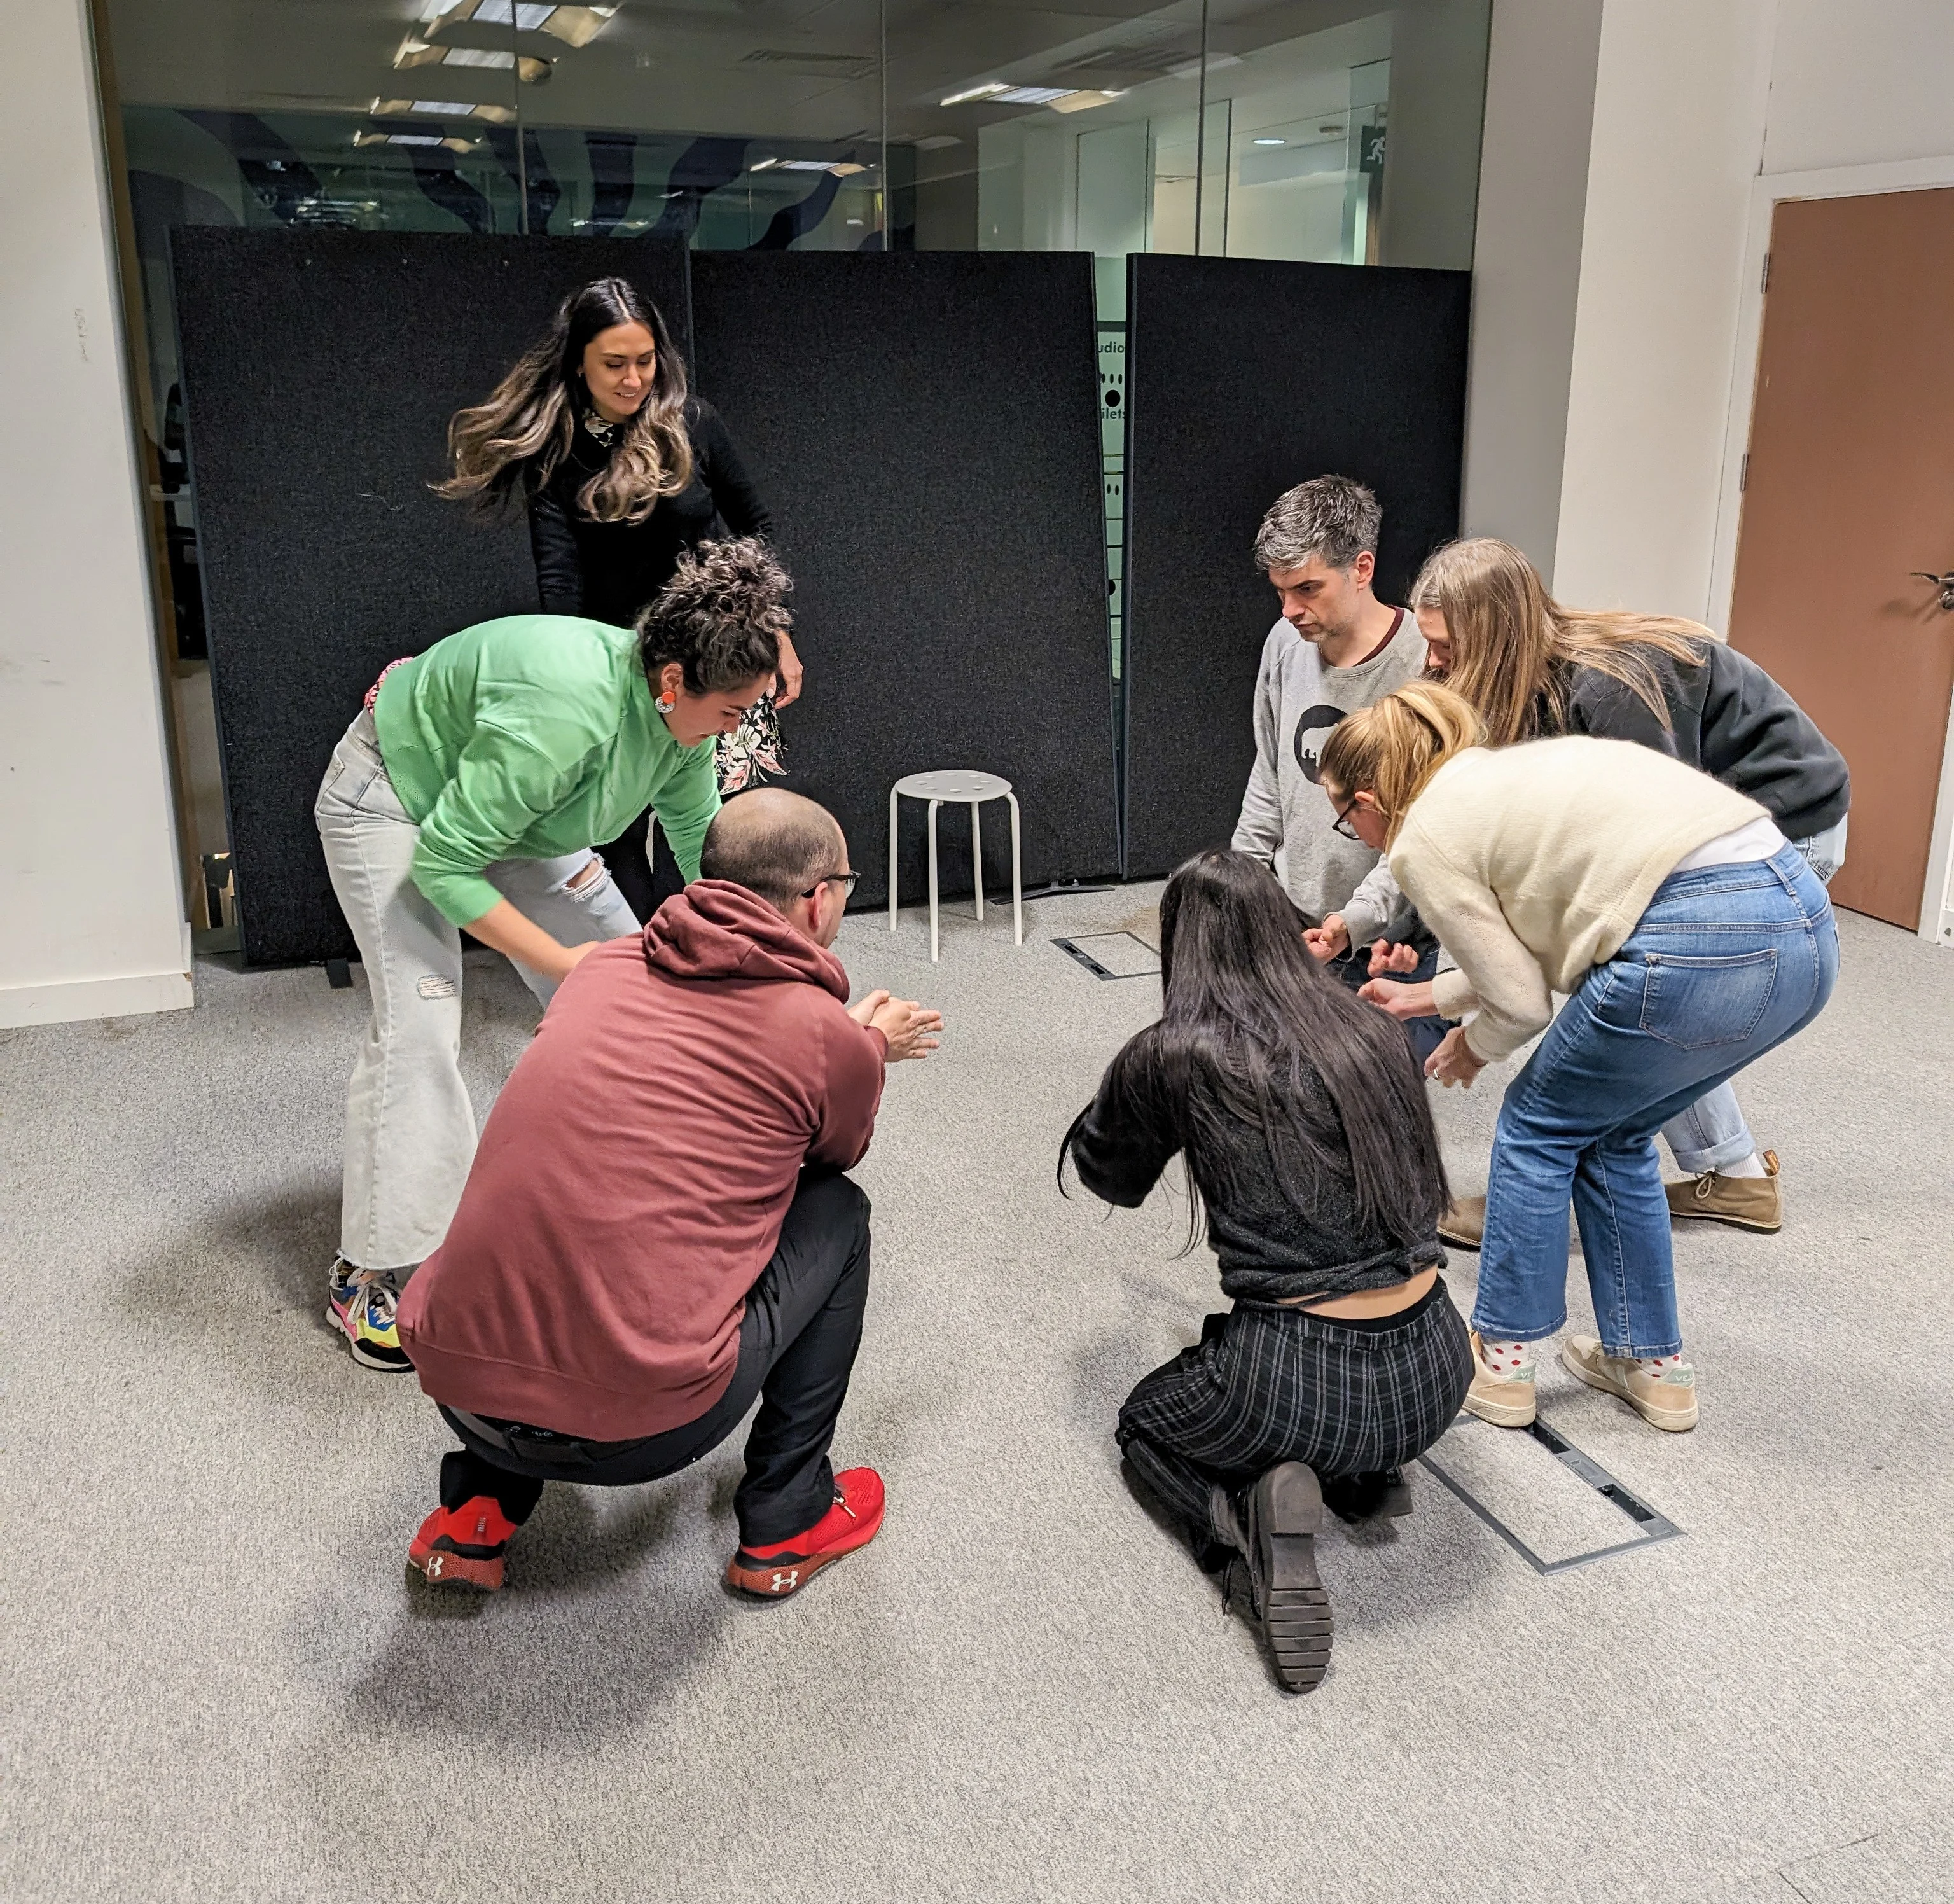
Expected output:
(1689, 938)
(466, 795)
(1533, 668)
(621, 471)
(1307, 1139)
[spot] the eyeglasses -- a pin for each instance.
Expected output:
(1341, 825)
(846, 879)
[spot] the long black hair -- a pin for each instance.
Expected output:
(1249, 1015)
(506, 448)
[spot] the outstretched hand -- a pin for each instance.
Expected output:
(1401, 1001)
(1387, 957)
(910, 1030)
(1327, 941)
(1455, 1061)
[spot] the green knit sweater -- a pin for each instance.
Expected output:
(528, 737)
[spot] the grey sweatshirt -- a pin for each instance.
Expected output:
(1287, 821)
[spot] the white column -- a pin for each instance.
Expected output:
(91, 914)
(1526, 267)
(1681, 91)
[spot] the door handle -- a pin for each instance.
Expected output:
(1944, 583)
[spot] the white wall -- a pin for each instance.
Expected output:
(1680, 98)
(1601, 449)
(1860, 82)
(89, 878)
(1526, 276)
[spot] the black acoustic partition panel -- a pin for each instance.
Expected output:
(924, 429)
(319, 371)
(1244, 378)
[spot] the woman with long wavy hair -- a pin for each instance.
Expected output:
(1303, 1126)
(621, 471)
(1532, 667)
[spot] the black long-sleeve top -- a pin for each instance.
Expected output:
(609, 571)
(1269, 1250)
(1730, 720)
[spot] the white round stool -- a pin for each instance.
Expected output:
(957, 783)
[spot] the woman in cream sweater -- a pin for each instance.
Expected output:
(1689, 938)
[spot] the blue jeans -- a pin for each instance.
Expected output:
(1725, 964)
(1711, 1134)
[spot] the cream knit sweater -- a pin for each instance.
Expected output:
(1532, 864)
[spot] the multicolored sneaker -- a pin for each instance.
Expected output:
(463, 1548)
(786, 1566)
(360, 1303)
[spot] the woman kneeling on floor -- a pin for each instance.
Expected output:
(1689, 938)
(1305, 1132)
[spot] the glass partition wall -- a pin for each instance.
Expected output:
(1328, 130)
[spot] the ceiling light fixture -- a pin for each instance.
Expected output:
(1085, 101)
(1271, 142)
(574, 26)
(989, 91)
(1031, 95)
(763, 165)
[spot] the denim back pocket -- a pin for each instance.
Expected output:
(1693, 1003)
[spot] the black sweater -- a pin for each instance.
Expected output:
(610, 570)
(1728, 718)
(1268, 1249)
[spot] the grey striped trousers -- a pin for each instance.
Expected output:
(1266, 1384)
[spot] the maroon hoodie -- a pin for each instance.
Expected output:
(631, 1183)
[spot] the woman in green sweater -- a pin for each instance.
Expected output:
(467, 794)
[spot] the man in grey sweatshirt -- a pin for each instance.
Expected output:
(1336, 649)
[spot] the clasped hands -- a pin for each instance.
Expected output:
(911, 1029)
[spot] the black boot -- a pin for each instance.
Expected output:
(1285, 1513)
(1383, 1494)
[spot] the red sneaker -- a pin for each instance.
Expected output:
(463, 1548)
(788, 1566)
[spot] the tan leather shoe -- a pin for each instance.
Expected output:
(1746, 1202)
(1505, 1400)
(1463, 1225)
(1668, 1401)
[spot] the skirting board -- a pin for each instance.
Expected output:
(66, 1001)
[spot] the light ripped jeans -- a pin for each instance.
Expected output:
(409, 1125)
(1711, 1135)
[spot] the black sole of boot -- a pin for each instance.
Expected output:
(1285, 1515)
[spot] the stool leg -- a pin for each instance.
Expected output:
(1017, 884)
(893, 798)
(933, 805)
(977, 856)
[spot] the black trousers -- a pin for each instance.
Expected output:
(797, 1347)
(1266, 1384)
(641, 862)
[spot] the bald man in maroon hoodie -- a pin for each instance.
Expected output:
(656, 1230)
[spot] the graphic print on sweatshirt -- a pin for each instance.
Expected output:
(1312, 731)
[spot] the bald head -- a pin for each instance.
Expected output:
(775, 843)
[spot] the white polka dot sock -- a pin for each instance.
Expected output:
(1662, 1365)
(1509, 1361)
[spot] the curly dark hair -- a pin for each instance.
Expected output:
(721, 617)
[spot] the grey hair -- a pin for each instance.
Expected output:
(1333, 517)
(773, 843)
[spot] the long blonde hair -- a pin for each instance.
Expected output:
(1514, 646)
(505, 449)
(1391, 750)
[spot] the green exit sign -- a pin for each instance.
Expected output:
(1371, 148)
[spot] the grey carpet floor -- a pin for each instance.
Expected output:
(218, 1685)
